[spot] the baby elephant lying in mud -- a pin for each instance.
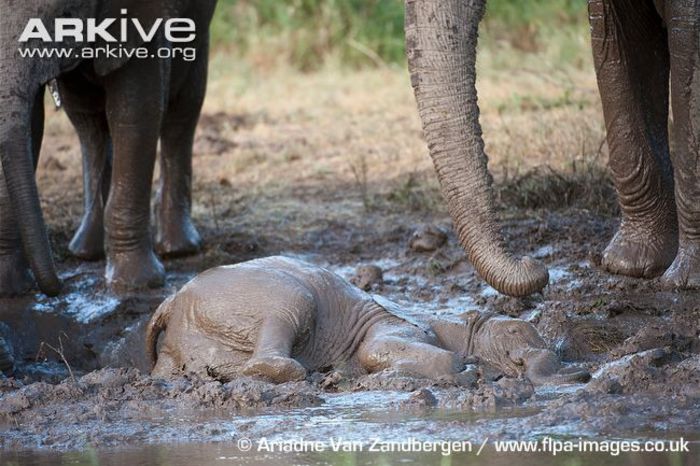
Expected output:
(279, 318)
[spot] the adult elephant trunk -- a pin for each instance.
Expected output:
(18, 168)
(441, 39)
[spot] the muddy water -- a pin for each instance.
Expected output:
(642, 346)
(89, 325)
(346, 428)
(225, 454)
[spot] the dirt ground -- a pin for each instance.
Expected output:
(332, 167)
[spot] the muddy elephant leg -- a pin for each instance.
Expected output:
(96, 146)
(684, 26)
(134, 102)
(272, 356)
(15, 278)
(383, 349)
(176, 235)
(632, 63)
(223, 363)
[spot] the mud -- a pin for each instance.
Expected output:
(368, 277)
(81, 373)
(115, 406)
(641, 345)
(427, 238)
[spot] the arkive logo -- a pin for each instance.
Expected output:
(90, 30)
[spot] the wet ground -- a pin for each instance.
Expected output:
(277, 183)
(641, 344)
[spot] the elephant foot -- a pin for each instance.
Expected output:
(684, 273)
(176, 239)
(15, 279)
(134, 270)
(88, 241)
(278, 369)
(640, 251)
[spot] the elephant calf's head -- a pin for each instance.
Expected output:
(516, 347)
(513, 346)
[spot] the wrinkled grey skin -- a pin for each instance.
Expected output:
(639, 47)
(120, 108)
(279, 318)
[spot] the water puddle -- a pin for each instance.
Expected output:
(558, 274)
(228, 453)
(98, 329)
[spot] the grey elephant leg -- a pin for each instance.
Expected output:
(385, 347)
(223, 362)
(134, 102)
(176, 235)
(632, 64)
(272, 356)
(15, 278)
(96, 146)
(85, 106)
(684, 26)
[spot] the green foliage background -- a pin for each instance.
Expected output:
(307, 33)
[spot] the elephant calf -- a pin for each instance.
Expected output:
(279, 317)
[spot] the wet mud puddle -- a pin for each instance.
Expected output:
(645, 385)
(352, 429)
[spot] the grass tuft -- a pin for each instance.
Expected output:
(584, 186)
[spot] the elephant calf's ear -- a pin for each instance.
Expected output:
(452, 335)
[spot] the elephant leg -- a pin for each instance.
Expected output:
(96, 146)
(134, 104)
(222, 362)
(632, 64)
(272, 356)
(15, 278)
(684, 26)
(176, 235)
(84, 104)
(385, 348)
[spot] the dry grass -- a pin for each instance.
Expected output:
(361, 129)
(296, 148)
(587, 187)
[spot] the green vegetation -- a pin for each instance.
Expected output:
(550, 13)
(308, 33)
